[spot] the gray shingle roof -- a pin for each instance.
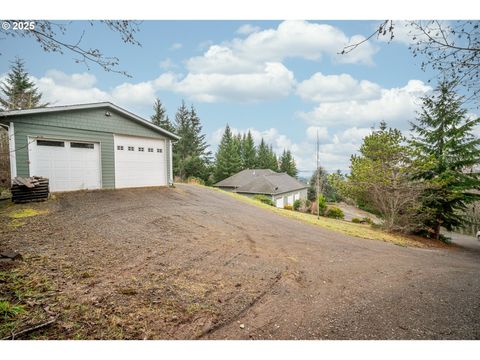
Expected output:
(261, 181)
(107, 105)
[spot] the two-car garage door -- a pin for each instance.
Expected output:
(76, 165)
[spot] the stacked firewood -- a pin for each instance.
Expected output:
(34, 188)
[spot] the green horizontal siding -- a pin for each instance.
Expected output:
(23, 131)
(87, 125)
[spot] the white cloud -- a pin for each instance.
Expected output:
(396, 106)
(302, 39)
(141, 93)
(312, 132)
(332, 88)
(274, 81)
(250, 68)
(247, 29)
(167, 64)
(59, 88)
(223, 60)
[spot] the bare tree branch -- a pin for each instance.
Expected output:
(49, 35)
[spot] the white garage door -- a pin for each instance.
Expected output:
(70, 165)
(139, 162)
(279, 203)
(290, 200)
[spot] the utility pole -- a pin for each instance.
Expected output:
(318, 181)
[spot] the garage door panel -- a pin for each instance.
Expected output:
(68, 168)
(139, 168)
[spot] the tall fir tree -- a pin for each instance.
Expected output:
(183, 147)
(200, 146)
(18, 91)
(190, 152)
(263, 156)
(443, 137)
(287, 163)
(197, 161)
(248, 152)
(228, 160)
(272, 159)
(160, 117)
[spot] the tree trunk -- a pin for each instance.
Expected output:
(437, 231)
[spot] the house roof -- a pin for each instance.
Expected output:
(261, 181)
(100, 105)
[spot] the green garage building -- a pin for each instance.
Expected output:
(88, 146)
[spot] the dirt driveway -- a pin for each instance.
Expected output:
(191, 263)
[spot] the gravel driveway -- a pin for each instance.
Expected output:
(191, 262)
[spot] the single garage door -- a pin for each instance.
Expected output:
(279, 203)
(139, 162)
(70, 165)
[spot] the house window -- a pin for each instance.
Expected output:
(159, 150)
(150, 149)
(81, 145)
(50, 143)
(119, 147)
(131, 148)
(141, 149)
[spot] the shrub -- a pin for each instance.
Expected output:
(288, 207)
(195, 180)
(367, 220)
(364, 220)
(297, 204)
(322, 205)
(334, 212)
(305, 205)
(264, 199)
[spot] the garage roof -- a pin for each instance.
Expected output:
(100, 105)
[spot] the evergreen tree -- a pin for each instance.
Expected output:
(447, 146)
(239, 145)
(183, 147)
(263, 156)
(160, 117)
(18, 91)
(287, 163)
(228, 160)
(272, 159)
(200, 146)
(248, 152)
(381, 181)
(197, 161)
(190, 152)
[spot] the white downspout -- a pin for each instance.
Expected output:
(170, 155)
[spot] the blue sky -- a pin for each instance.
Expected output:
(282, 80)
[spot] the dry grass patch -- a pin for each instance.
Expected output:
(363, 231)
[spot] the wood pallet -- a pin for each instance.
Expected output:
(35, 188)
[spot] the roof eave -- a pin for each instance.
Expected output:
(108, 105)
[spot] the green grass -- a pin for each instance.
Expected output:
(363, 231)
(9, 311)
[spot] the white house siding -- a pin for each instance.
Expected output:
(281, 200)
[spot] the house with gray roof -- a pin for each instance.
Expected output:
(281, 187)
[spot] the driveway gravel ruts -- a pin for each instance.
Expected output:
(191, 262)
